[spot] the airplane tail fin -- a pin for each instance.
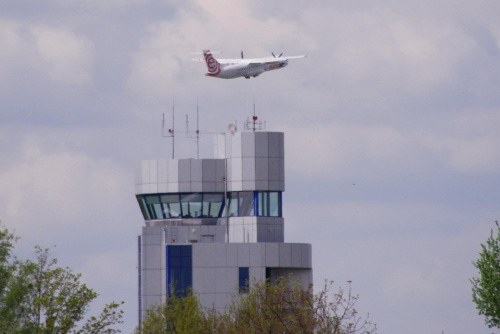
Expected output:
(212, 64)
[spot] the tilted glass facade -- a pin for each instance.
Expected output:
(210, 205)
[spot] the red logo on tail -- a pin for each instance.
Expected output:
(212, 64)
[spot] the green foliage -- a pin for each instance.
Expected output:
(38, 297)
(486, 287)
(284, 307)
(178, 315)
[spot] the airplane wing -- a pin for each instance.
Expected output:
(295, 57)
(273, 59)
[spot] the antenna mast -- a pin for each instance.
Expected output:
(197, 137)
(254, 124)
(171, 132)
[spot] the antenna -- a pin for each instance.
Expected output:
(171, 132)
(197, 137)
(254, 124)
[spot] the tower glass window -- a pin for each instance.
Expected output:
(171, 205)
(243, 277)
(210, 205)
(179, 269)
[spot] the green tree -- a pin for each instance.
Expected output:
(13, 288)
(38, 297)
(180, 314)
(284, 307)
(486, 287)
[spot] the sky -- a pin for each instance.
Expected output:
(391, 129)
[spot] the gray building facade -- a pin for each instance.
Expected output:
(214, 225)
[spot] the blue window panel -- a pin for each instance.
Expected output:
(243, 279)
(179, 269)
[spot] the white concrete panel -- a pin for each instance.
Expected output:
(236, 170)
(274, 143)
(173, 171)
(261, 145)
(248, 144)
(236, 232)
(262, 185)
(282, 170)
(243, 255)
(138, 189)
(220, 173)
(184, 187)
(220, 254)
(235, 186)
(275, 169)
(282, 145)
(272, 254)
(198, 279)
(162, 170)
(162, 187)
(196, 186)
(306, 256)
(198, 257)
(257, 252)
(151, 282)
(208, 170)
(229, 170)
(145, 171)
(151, 257)
(261, 169)
(208, 254)
(153, 188)
(184, 170)
(236, 145)
(223, 277)
(248, 185)
(152, 239)
(296, 255)
(280, 233)
(257, 274)
(219, 187)
(285, 255)
(220, 146)
(153, 171)
(209, 187)
(207, 285)
(232, 255)
(232, 280)
(145, 188)
(196, 170)
(275, 186)
(248, 169)
(173, 187)
(229, 145)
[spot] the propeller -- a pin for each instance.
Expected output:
(281, 54)
(242, 55)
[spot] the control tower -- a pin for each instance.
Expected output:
(214, 225)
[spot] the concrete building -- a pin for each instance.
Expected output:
(216, 224)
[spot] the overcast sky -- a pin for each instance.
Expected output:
(391, 133)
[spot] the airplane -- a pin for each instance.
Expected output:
(235, 68)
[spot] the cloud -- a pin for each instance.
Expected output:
(47, 190)
(58, 53)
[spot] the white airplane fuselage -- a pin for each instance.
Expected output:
(247, 70)
(236, 68)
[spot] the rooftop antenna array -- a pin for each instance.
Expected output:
(197, 136)
(171, 132)
(254, 123)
